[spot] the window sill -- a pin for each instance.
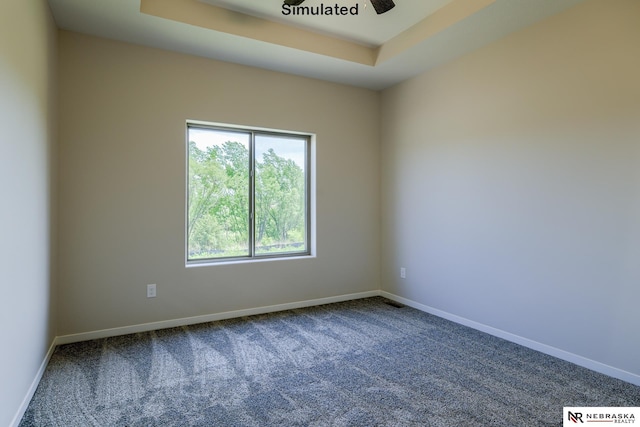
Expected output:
(212, 263)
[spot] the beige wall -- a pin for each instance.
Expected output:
(27, 147)
(122, 184)
(511, 184)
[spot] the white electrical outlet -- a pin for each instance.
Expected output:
(151, 291)
(403, 273)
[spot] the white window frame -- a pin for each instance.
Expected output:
(310, 199)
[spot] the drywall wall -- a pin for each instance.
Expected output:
(27, 147)
(511, 184)
(122, 184)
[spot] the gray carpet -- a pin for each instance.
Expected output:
(358, 363)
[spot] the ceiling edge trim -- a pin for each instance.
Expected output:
(216, 18)
(440, 20)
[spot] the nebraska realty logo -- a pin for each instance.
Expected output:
(291, 8)
(600, 415)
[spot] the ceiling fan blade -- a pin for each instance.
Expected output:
(293, 2)
(382, 6)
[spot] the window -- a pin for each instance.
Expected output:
(247, 193)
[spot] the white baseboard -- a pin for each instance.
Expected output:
(543, 348)
(104, 333)
(32, 389)
(145, 327)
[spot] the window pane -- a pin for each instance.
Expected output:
(218, 200)
(280, 199)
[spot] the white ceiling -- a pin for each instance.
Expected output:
(367, 27)
(413, 24)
